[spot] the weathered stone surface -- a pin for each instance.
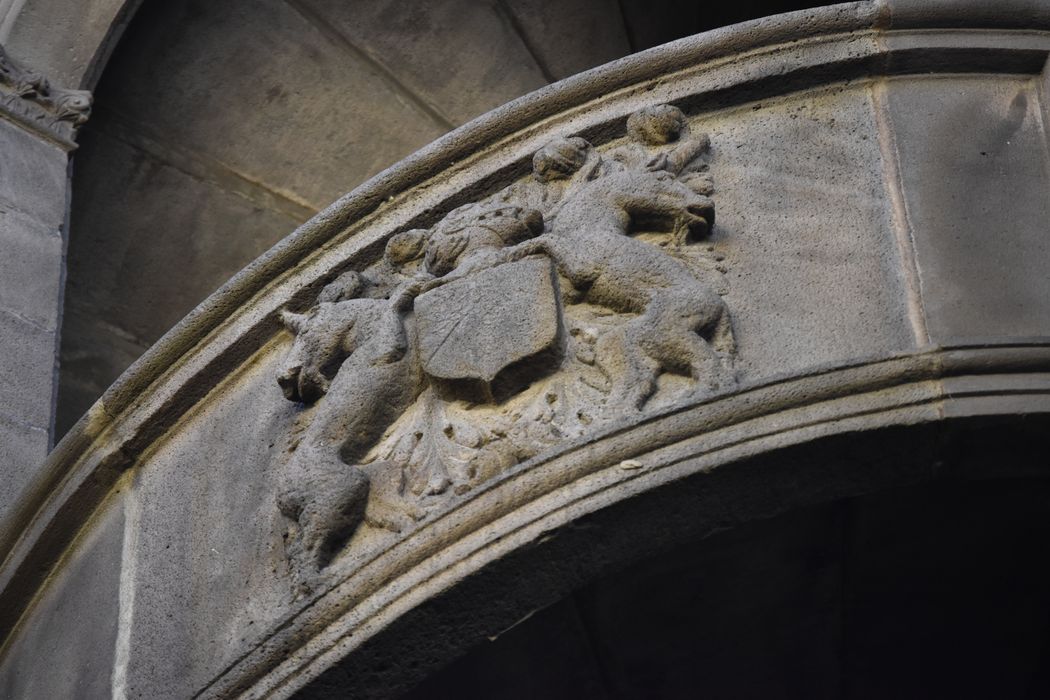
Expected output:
(476, 327)
(32, 175)
(24, 449)
(36, 121)
(460, 56)
(805, 225)
(68, 649)
(209, 566)
(132, 276)
(28, 98)
(393, 430)
(712, 373)
(26, 370)
(30, 268)
(31, 30)
(571, 36)
(311, 102)
(974, 174)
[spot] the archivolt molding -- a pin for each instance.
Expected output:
(530, 504)
(379, 306)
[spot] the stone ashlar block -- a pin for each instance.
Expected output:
(24, 447)
(26, 370)
(30, 268)
(32, 175)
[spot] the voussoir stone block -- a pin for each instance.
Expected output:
(30, 268)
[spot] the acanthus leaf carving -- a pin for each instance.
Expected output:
(582, 296)
(30, 97)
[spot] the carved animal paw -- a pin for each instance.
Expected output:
(327, 506)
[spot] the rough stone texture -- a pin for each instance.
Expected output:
(37, 122)
(462, 353)
(88, 29)
(26, 370)
(312, 102)
(804, 223)
(27, 97)
(647, 20)
(30, 268)
(209, 564)
(477, 327)
(569, 37)
(32, 212)
(107, 325)
(974, 174)
(461, 58)
(32, 175)
(69, 649)
(835, 399)
(355, 87)
(24, 447)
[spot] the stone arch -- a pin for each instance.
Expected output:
(67, 40)
(224, 131)
(869, 317)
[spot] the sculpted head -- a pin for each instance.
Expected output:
(560, 158)
(656, 125)
(406, 246)
(465, 232)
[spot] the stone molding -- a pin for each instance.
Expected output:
(28, 98)
(528, 507)
(924, 383)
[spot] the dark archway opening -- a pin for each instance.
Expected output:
(933, 591)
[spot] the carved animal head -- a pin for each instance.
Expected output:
(72, 106)
(656, 201)
(318, 351)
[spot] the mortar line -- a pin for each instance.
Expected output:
(202, 167)
(318, 22)
(519, 31)
(902, 226)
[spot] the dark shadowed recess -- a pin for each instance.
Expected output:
(933, 591)
(221, 126)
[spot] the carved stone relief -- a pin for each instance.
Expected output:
(29, 97)
(582, 296)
